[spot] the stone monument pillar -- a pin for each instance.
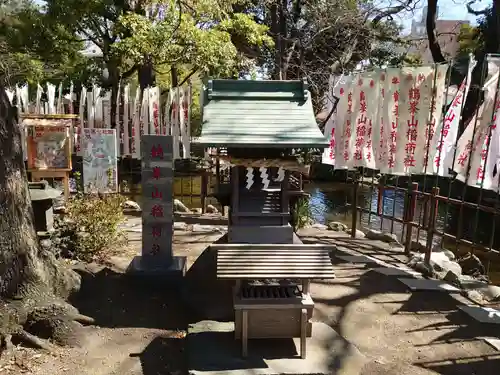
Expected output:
(157, 169)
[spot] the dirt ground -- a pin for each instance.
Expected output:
(141, 328)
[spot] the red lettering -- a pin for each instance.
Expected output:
(361, 131)
(156, 173)
(391, 162)
(157, 211)
(362, 107)
(484, 152)
(449, 118)
(411, 134)
(157, 152)
(395, 80)
(395, 111)
(414, 94)
(480, 173)
(412, 122)
(457, 101)
(410, 147)
(156, 231)
(413, 108)
(462, 158)
(156, 193)
(409, 161)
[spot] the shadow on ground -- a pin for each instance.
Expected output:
(117, 300)
(458, 328)
(206, 297)
(163, 356)
(484, 365)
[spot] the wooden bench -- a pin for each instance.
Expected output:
(273, 317)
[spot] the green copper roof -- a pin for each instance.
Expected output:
(244, 113)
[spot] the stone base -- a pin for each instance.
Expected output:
(213, 350)
(156, 267)
(428, 285)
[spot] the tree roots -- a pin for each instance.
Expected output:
(33, 341)
(43, 327)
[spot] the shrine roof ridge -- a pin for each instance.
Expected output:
(254, 89)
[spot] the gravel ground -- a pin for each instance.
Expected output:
(140, 329)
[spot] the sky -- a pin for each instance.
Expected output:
(448, 10)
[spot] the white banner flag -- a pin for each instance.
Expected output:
(334, 123)
(364, 155)
(389, 121)
(472, 147)
(417, 106)
(442, 149)
(346, 145)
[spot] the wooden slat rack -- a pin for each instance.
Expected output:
(270, 314)
(239, 262)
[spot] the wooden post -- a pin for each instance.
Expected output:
(354, 209)
(380, 196)
(204, 192)
(235, 185)
(409, 215)
(303, 333)
(433, 207)
(244, 333)
(306, 284)
(284, 196)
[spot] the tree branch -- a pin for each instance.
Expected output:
(476, 12)
(390, 12)
(188, 76)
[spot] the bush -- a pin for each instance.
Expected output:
(90, 226)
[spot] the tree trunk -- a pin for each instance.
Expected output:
(30, 277)
(430, 22)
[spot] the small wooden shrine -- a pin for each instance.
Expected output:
(257, 128)
(261, 125)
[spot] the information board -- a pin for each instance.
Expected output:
(100, 170)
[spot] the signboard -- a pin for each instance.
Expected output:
(100, 171)
(157, 196)
(48, 144)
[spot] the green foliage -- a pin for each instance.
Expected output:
(302, 215)
(90, 228)
(470, 40)
(199, 37)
